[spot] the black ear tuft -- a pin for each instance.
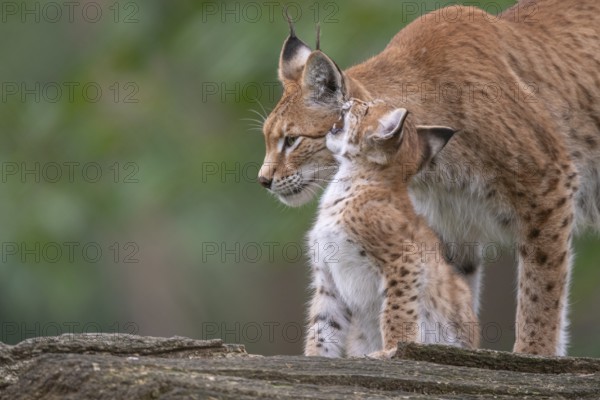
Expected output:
(290, 21)
(293, 54)
(318, 46)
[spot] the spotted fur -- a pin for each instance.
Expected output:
(521, 90)
(388, 280)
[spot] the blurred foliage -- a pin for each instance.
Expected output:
(178, 165)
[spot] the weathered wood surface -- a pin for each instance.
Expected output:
(134, 367)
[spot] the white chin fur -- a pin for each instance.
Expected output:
(302, 198)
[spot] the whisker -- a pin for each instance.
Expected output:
(255, 125)
(252, 120)
(312, 191)
(266, 114)
(262, 117)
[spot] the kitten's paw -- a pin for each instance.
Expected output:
(382, 354)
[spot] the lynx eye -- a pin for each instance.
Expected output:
(290, 140)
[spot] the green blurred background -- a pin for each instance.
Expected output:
(128, 194)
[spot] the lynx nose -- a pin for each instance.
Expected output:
(265, 182)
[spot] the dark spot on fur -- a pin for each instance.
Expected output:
(541, 257)
(468, 268)
(544, 214)
(535, 232)
(319, 317)
(534, 298)
(504, 220)
(338, 200)
(590, 141)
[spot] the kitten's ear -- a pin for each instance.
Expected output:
(433, 139)
(390, 126)
(294, 55)
(323, 79)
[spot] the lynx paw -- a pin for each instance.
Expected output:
(382, 354)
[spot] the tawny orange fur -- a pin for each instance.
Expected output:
(522, 91)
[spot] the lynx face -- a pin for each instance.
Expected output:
(297, 162)
(377, 133)
(367, 132)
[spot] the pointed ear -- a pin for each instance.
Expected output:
(433, 138)
(390, 126)
(323, 79)
(293, 58)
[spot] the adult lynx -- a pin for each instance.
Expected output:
(522, 91)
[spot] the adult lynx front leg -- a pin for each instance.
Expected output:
(545, 265)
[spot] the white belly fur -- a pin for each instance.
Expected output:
(357, 281)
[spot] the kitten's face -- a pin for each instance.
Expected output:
(367, 131)
(374, 132)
